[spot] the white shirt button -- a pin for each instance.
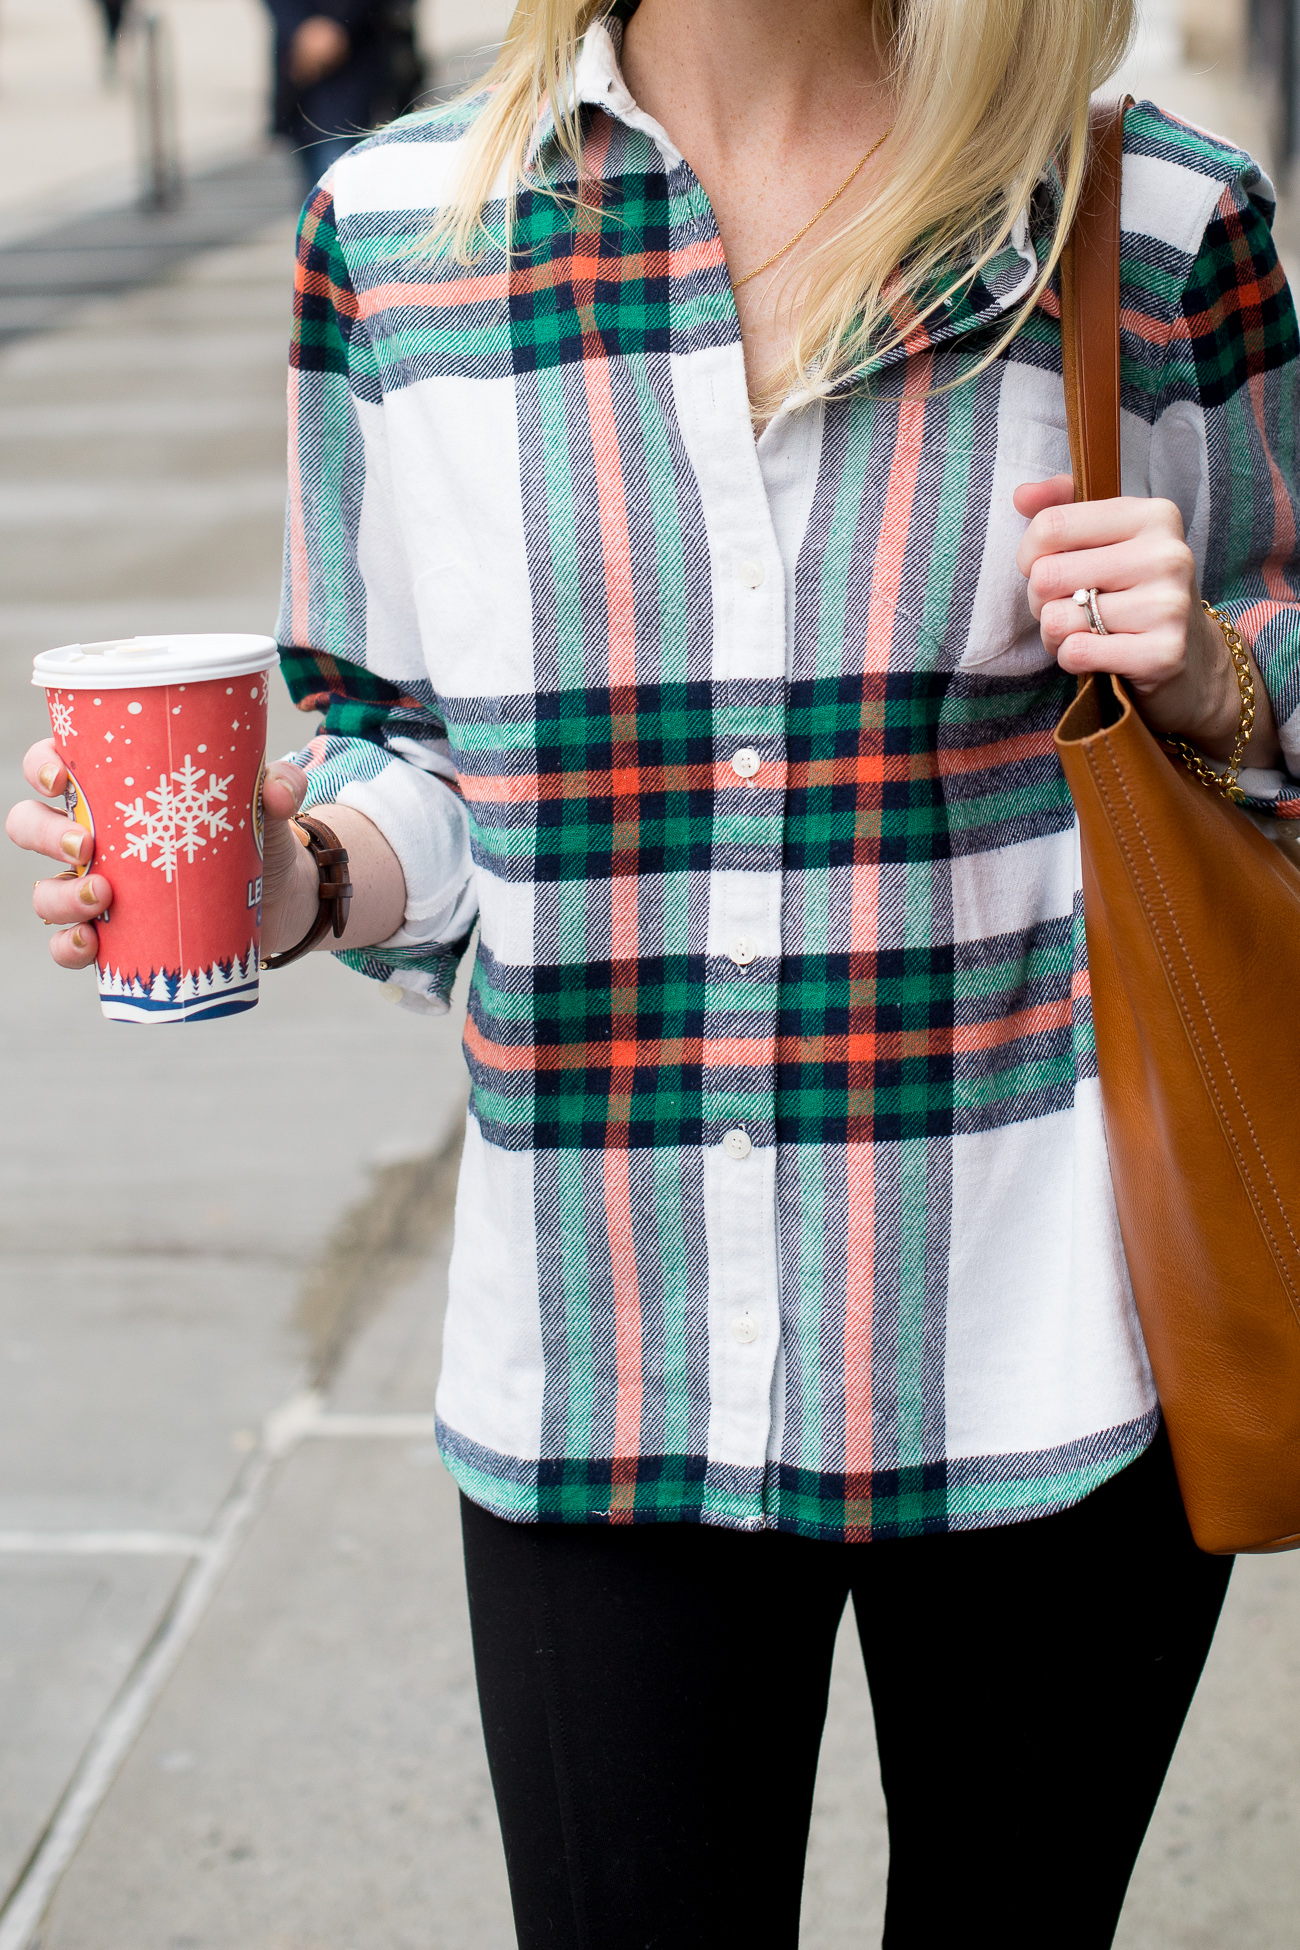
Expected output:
(751, 574)
(745, 762)
(736, 1144)
(743, 951)
(744, 1329)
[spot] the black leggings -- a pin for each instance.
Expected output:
(653, 1700)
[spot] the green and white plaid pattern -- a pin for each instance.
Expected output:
(785, 1198)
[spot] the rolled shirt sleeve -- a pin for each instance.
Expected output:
(349, 638)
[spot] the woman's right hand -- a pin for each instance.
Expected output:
(70, 904)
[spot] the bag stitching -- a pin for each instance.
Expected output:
(1192, 1032)
(1191, 968)
(1190, 1024)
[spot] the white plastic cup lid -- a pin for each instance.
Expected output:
(136, 662)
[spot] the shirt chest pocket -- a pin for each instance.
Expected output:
(1002, 637)
(477, 643)
(456, 489)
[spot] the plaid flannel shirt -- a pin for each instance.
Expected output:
(785, 1199)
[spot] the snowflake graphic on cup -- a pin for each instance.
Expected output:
(61, 714)
(182, 805)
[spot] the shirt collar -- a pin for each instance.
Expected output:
(998, 287)
(598, 79)
(598, 76)
(598, 83)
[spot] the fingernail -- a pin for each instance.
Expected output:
(70, 845)
(89, 892)
(80, 939)
(48, 774)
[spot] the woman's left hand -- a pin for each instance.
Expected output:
(1173, 656)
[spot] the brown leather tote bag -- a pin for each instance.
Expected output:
(1193, 926)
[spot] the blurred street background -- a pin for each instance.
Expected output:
(236, 1696)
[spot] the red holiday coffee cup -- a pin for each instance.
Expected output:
(164, 738)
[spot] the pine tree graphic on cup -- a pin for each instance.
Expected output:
(165, 739)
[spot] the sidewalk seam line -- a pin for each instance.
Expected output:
(94, 1543)
(34, 1888)
(298, 1418)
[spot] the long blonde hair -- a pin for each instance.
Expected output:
(988, 93)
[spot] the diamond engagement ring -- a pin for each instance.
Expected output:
(1087, 601)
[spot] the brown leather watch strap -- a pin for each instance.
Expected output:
(1090, 311)
(334, 887)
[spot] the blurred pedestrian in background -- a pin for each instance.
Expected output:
(341, 68)
(114, 13)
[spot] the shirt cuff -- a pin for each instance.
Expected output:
(1276, 793)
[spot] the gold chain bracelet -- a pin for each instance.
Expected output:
(1225, 782)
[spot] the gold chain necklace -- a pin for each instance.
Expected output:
(856, 171)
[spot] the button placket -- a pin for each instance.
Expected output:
(742, 927)
(738, 1146)
(744, 1302)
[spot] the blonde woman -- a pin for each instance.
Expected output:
(681, 558)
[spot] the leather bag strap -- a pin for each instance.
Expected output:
(1090, 311)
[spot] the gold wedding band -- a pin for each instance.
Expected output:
(1087, 601)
